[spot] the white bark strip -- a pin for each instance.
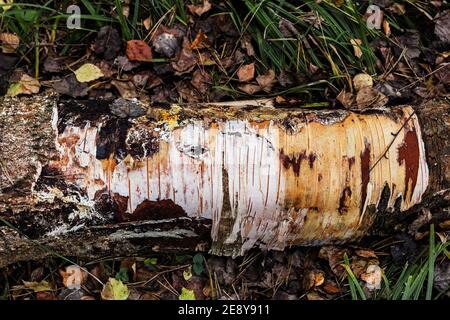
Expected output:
(303, 186)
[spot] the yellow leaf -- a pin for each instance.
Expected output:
(187, 274)
(114, 290)
(4, 4)
(37, 286)
(186, 294)
(88, 72)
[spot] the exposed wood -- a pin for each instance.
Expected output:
(82, 181)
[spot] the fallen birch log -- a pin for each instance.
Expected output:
(90, 178)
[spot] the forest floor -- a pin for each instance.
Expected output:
(316, 54)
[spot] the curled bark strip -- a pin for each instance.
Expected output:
(252, 176)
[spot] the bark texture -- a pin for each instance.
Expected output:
(90, 178)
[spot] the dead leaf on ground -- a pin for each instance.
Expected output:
(185, 61)
(372, 277)
(445, 224)
(37, 286)
(138, 50)
(370, 98)
(187, 91)
(346, 98)
(73, 277)
(246, 43)
(335, 257)
(123, 63)
(201, 8)
(45, 295)
(201, 80)
(366, 253)
(71, 87)
(356, 43)
(249, 88)
(115, 290)
(108, 43)
(246, 72)
(126, 89)
(330, 288)
(88, 72)
(266, 81)
(9, 42)
(200, 41)
(442, 26)
(386, 28)
(147, 23)
(26, 85)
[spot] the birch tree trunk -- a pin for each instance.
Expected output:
(90, 178)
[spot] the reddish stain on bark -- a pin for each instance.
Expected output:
(365, 172)
(351, 162)
(294, 162)
(344, 200)
(409, 154)
(311, 158)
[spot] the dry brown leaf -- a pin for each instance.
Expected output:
(9, 42)
(147, 23)
(201, 80)
(386, 28)
(266, 81)
(246, 72)
(330, 288)
(73, 277)
(356, 43)
(249, 88)
(366, 253)
(200, 40)
(200, 9)
(126, 89)
(345, 98)
(369, 97)
(138, 50)
(185, 60)
(26, 85)
(445, 224)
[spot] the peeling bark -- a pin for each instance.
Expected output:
(82, 181)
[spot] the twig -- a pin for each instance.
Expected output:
(390, 144)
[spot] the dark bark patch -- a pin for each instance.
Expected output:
(365, 172)
(294, 162)
(344, 200)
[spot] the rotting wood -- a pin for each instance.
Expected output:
(80, 180)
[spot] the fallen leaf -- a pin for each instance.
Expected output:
(114, 290)
(4, 4)
(366, 253)
(45, 295)
(249, 88)
(186, 294)
(187, 91)
(201, 80)
(362, 80)
(369, 97)
(88, 72)
(330, 288)
(125, 64)
(73, 277)
(126, 89)
(314, 296)
(356, 43)
(372, 277)
(37, 286)
(200, 40)
(266, 81)
(200, 9)
(147, 23)
(246, 72)
(108, 43)
(185, 60)
(71, 87)
(9, 42)
(138, 50)
(187, 274)
(345, 98)
(26, 85)
(246, 43)
(386, 28)
(445, 224)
